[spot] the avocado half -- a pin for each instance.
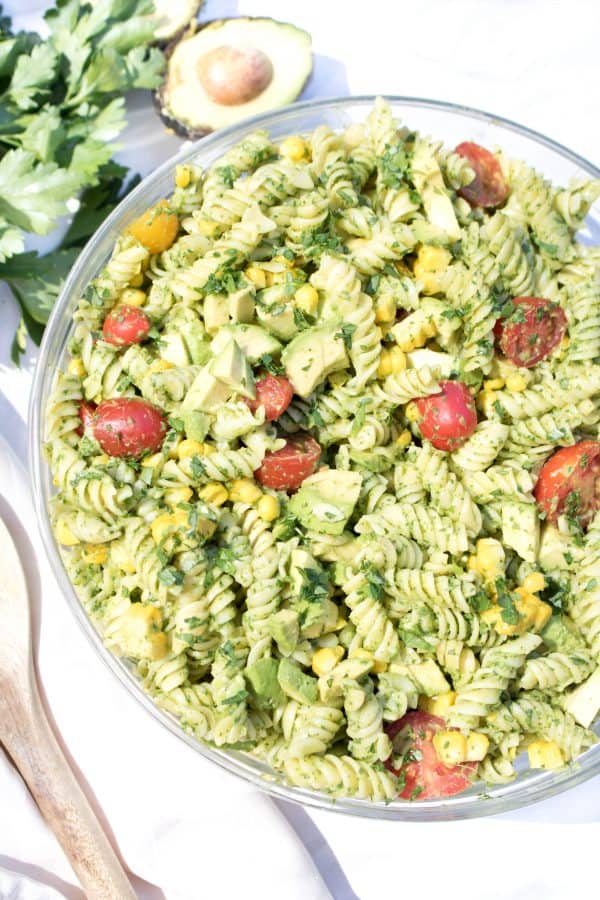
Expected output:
(172, 17)
(231, 69)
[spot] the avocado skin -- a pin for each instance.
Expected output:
(165, 42)
(196, 132)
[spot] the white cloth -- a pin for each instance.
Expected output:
(184, 827)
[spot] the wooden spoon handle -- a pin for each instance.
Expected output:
(30, 741)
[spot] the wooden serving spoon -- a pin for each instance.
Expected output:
(30, 742)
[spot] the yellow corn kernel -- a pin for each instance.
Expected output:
(256, 276)
(534, 583)
(361, 653)
(64, 535)
(489, 559)
(493, 618)
(404, 439)
(379, 666)
(140, 632)
(306, 298)
(385, 309)
(516, 383)
(412, 412)
(283, 261)
(76, 367)
(275, 277)
(341, 623)
(176, 495)
(268, 508)
(494, 384)
(149, 462)
(326, 659)
(183, 176)
(167, 523)
(478, 745)
(214, 493)
(450, 746)
(391, 362)
(159, 365)
(208, 228)
(189, 447)
(133, 297)
(243, 490)
(542, 615)
(429, 264)
(545, 755)
(137, 280)
(95, 554)
(437, 706)
(534, 612)
(293, 148)
(485, 402)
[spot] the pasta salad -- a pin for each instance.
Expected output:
(326, 456)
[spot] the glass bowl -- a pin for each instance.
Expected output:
(447, 121)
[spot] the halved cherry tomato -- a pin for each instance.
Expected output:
(489, 187)
(448, 418)
(86, 414)
(274, 393)
(125, 325)
(286, 469)
(127, 426)
(531, 331)
(569, 482)
(423, 776)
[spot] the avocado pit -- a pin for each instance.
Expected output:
(234, 75)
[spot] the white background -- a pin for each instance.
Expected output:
(180, 824)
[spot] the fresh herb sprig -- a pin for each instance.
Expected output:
(61, 106)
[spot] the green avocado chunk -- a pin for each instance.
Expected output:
(255, 341)
(313, 355)
(326, 500)
(195, 424)
(206, 393)
(262, 677)
(179, 347)
(284, 628)
(233, 369)
(559, 634)
(296, 684)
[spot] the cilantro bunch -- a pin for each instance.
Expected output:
(61, 106)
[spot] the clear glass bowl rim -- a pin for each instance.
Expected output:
(532, 787)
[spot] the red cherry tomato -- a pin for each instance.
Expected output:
(531, 331)
(569, 482)
(125, 325)
(274, 393)
(286, 469)
(489, 187)
(448, 418)
(127, 426)
(86, 414)
(423, 776)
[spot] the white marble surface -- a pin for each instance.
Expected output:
(187, 830)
